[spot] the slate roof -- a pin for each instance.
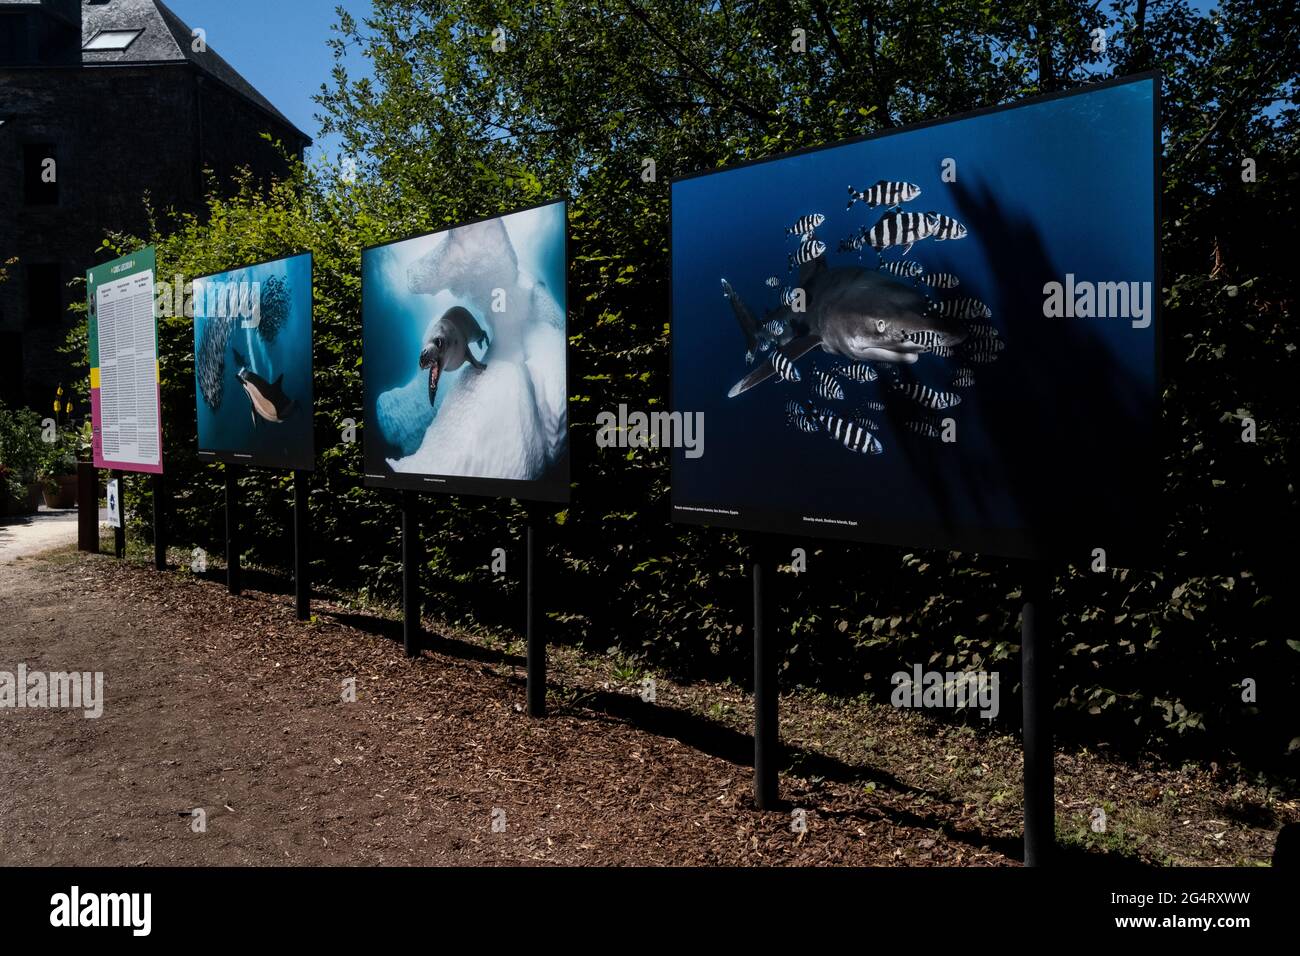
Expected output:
(166, 38)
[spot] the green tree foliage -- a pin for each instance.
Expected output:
(478, 107)
(21, 450)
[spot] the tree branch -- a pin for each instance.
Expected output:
(753, 112)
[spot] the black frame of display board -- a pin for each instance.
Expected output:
(1065, 543)
(240, 458)
(523, 490)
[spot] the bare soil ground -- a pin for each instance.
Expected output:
(231, 705)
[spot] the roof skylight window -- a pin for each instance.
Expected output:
(112, 39)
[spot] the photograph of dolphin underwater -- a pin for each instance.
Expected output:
(465, 358)
(253, 364)
(909, 338)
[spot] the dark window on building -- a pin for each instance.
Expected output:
(40, 174)
(15, 42)
(44, 295)
(11, 368)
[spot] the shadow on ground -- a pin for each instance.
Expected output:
(707, 736)
(702, 734)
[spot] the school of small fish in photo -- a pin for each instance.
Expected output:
(818, 315)
(863, 326)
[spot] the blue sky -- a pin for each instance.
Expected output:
(278, 46)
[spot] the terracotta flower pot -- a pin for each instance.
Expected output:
(64, 495)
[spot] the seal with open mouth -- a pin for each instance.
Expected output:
(446, 345)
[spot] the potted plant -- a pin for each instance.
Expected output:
(20, 456)
(57, 469)
(12, 490)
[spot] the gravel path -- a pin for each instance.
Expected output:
(31, 534)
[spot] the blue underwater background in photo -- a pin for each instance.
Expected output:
(281, 345)
(1055, 438)
(394, 319)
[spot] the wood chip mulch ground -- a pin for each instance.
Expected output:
(231, 706)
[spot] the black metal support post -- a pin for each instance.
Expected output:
(412, 558)
(1036, 696)
(536, 640)
(301, 545)
(87, 507)
(766, 721)
(232, 532)
(119, 533)
(159, 532)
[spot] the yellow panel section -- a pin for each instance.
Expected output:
(94, 377)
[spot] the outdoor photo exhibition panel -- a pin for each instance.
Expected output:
(253, 364)
(943, 336)
(464, 368)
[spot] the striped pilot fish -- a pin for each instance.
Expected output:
(927, 339)
(876, 406)
(771, 282)
(787, 295)
(924, 427)
(941, 280)
(796, 416)
(962, 309)
(903, 268)
(884, 193)
(866, 423)
(964, 378)
(945, 227)
(983, 351)
(804, 225)
(808, 250)
(943, 351)
(927, 397)
(765, 345)
(774, 327)
(849, 433)
(983, 330)
(854, 243)
(825, 385)
(900, 229)
(857, 372)
(783, 366)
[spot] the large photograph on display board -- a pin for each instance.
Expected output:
(943, 336)
(253, 364)
(464, 365)
(125, 395)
